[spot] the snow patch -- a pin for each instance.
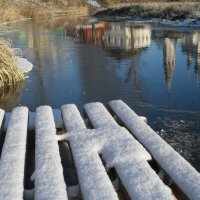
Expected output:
(24, 65)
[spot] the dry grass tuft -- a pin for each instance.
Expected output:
(33, 11)
(9, 13)
(9, 72)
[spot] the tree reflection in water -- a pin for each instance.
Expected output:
(9, 95)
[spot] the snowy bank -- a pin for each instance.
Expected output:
(24, 65)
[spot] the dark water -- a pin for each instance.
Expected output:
(155, 70)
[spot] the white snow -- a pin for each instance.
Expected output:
(183, 23)
(24, 64)
(183, 174)
(31, 119)
(49, 180)
(118, 149)
(13, 156)
(146, 186)
(178, 23)
(57, 117)
(98, 115)
(86, 145)
(72, 118)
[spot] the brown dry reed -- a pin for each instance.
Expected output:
(9, 72)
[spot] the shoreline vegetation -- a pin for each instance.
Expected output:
(13, 10)
(9, 69)
(186, 12)
(17, 10)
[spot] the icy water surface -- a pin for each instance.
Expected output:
(155, 70)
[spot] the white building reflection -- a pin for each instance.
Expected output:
(191, 46)
(127, 37)
(169, 55)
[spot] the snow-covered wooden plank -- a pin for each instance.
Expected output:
(183, 174)
(98, 115)
(93, 179)
(120, 150)
(57, 118)
(141, 182)
(31, 120)
(120, 146)
(49, 180)
(12, 161)
(72, 118)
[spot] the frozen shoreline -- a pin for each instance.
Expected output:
(188, 22)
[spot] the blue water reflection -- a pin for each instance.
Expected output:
(156, 70)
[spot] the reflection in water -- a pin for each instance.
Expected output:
(191, 46)
(127, 37)
(91, 33)
(9, 95)
(169, 61)
(138, 64)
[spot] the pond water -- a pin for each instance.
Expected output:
(155, 70)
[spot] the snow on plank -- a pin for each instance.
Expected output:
(72, 118)
(141, 182)
(13, 156)
(93, 179)
(57, 118)
(183, 174)
(98, 115)
(95, 184)
(121, 147)
(49, 180)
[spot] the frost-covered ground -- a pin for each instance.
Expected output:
(179, 23)
(166, 22)
(173, 14)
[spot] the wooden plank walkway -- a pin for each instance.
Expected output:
(13, 156)
(95, 151)
(49, 180)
